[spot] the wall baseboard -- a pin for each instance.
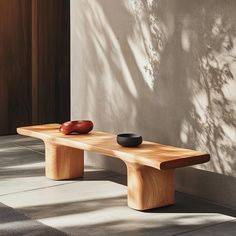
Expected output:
(217, 188)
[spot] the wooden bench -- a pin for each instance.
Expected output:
(150, 166)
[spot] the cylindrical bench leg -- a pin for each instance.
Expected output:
(63, 162)
(149, 188)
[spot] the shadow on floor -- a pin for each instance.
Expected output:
(154, 228)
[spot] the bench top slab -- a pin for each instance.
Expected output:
(151, 154)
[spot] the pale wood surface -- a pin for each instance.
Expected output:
(150, 166)
(149, 188)
(150, 154)
(63, 162)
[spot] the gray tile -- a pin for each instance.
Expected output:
(13, 223)
(80, 196)
(37, 147)
(22, 169)
(94, 207)
(96, 204)
(5, 141)
(22, 141)
(222, 229)
(27, 141)
(17, 156)
(18, 139)
(9, 138)
(5, 144)
(186, 203)
(120, 179)
(30, 175)
(93, 173)
(8, 144)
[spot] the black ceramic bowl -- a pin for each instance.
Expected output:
(129, 140)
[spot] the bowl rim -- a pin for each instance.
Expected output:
(129, 135)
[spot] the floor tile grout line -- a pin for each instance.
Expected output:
(204, 227)
(29, 190)
(28, 148)
(71, 182)
(37, 141)
(206, 200)
(41, 153)
(192, 196)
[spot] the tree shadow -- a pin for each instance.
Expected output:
(140, 228)
(209, 48)
(16, 223)
(163, 69)
(130, 222)
(112, 216)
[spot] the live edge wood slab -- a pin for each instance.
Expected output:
(150, 166)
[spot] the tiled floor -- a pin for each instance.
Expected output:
(96, 204)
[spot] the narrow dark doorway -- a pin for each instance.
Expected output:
(34, 62)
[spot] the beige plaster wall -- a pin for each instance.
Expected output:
(165, 69)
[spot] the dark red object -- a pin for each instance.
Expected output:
(76, 126)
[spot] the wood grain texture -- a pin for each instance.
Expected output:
(63, 162)
(151, 154)
(34, 62)
(148, 187)
(150, 166)
(53, 60)
(15, 64)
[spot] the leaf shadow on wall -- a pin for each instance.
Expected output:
(208, 68)
(164, 69)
